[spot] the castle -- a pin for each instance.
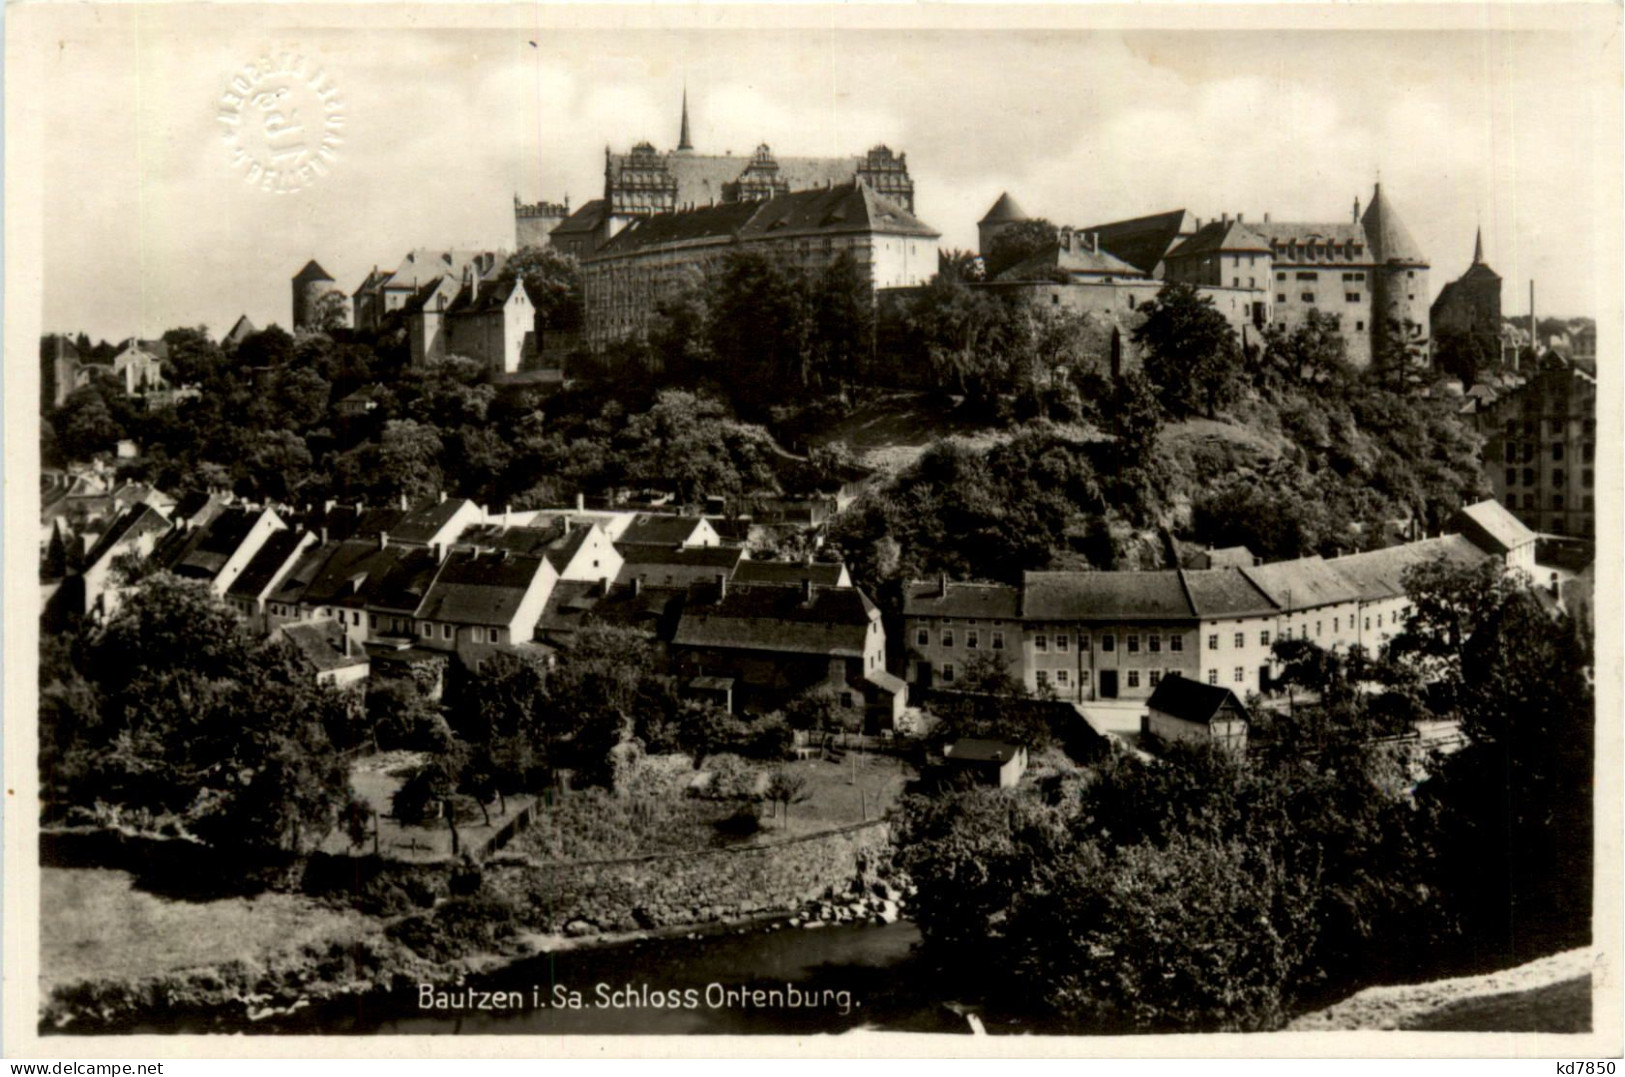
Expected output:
(646, 181)
(1367, 271)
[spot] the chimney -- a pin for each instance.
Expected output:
(1356, 209)
(328, 505)
(722, 586)
(1240, 219)
(1224, 218)
(806, 589)
(383, 539)
(442, 497)
(1266, 218)
(404, 504)
(324, 532)
(1094, 241)
(637, 585)
(581, 502)
(942, 584)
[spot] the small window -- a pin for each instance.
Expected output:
(1368, 624)
(1133, 643)
(1337, 625)
(998, 641)
(1041, 642)
(1083, 677)
(1108, 642)
(1154, 642)
(1083, 641)
(1134, 678)
(947, 637)
(428, 631)
(479, 635)
(1529, 476)
(1264, 639)
(1317, 629)
(948, 673)
(1557, 450)
(1359, 327)
(1156, 677)
(1512, 476)
(1352, 297)
(922, 638)
(1060, 676)
(1213, 676)
(1240, 641)
(1307, 297)
(1557, 476)
(1062, 642)
(1239, 677)
(1043, 679)
(445, 631)
(1176, 643)
(1280, 276)
(972, 641)
(1213, 642)
(1557, 502)
(1587, 478)
(1279, 298)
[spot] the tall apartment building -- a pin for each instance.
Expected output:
(1540, 448)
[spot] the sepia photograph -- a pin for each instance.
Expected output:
(812, 526)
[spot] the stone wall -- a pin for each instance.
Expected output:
(590, 897)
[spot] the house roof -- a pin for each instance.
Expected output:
(1190, 701)
(312, 271)
(1224, 592)
(587, 217)
(1378, 574)
(993, 601)
(1070, 596)
(1221, 236)
(481, 588)
(789, 573)
(1302, 584)
(352, 570)
(1143, 242)
(754, 618)
(426, 521)
(1490, 524)
(698, 179)
(576, 603)
(1003, 210)
(404, 580)
(978, 750)
(320, 644)
(660, 529)
(292, 587)
(241, 330)
(262, 569)
(723, 559)
(137, 520)
(1075, 258)
(203, 551)
(492, 295)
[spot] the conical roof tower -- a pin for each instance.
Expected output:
(1390, 240)
(1004, 211)
(683, 142)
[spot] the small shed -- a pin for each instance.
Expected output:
(992, 762)
(1182, 709)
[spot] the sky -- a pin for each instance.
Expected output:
(147, 225)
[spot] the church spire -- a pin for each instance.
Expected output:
(683, 142)
(1478, 247)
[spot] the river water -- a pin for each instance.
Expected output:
(790, 981)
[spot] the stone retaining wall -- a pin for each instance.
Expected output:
(591, 897)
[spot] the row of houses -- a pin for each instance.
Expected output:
(1090, 636)
(352, 585)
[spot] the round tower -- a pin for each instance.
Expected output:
(1000, 216)
(310, 284)
(1399, 286)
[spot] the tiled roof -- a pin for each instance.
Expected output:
(320, 644)
(1224, 592)
(1494, 524)
(356, 565)
(789, 573)
(993, 601)
(1390, 240)
(1217, 236)
(1118, 596)
(241, 330)
(1191, 701)
(132, 523)
(292, 588)
(1143, 242)
(835, 623)
(585, 219)
(312, 271)
(405, 580)
(480, 588)
(564, 547)
(660, 529)
(1077, 260)
(426, 521)
(576, 603)
(493, 295)
(1302, 584)
(1379, 574)
(263, 567)
(202, 552)
(721, 558)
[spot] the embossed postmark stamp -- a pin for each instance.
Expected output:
(283, 121)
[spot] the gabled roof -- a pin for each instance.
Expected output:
(135, 521)
(993, 601)
(1390, 240)
(481, 588)
(1074, 259)
(202, 552)
(790, 573)
(1302, 584)
(405, 580)
(585, 219)
(723, 559)
(426, 521)
(1143, 242)
(320, 645)
(1224, 592)
(291, 589)
(492, 295)
(311, 272)
(1221, 236)
(241, 330)
(1492, 527)
(576, 603)
(1121, 596)
(1380, 574)
(350, 572)
(1003, 210)
(263, 567)
(835, 623)
(1190, 701)
(648, 528)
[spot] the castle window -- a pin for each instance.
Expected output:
(1557, 450)
(1280, 299)
(1176, 643)
(1587, 478)
(1512, 476)
(1352, 297)
(998, 641)
(1557, 502)
(1134, 678)
(1307, 297)
(923, 638)
(1557, 477)
(1213, 676)
(1239, 675)
(1359, 327)
(1280, 276)
(1529, 476)
(1041, 642)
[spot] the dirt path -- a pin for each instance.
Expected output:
(1552, 994)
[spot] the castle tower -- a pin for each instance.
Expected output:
(1472, 302)
(533, 222)
(1000, 216)
(310, 284)
(684, 145)
(1399, 287)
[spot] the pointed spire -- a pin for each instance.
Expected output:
(683, 142)
(1478, 247)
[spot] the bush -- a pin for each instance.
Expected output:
(466, 879)
(732, 778)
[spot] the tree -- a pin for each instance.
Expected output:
(988, 673)
(194, 359)
(786, 787)
(553, 282)
(760, 325)
(1017, 242)
(1189, 351)
(1464, 354)
(84, 425)
(1448, 604)
(331, 311)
